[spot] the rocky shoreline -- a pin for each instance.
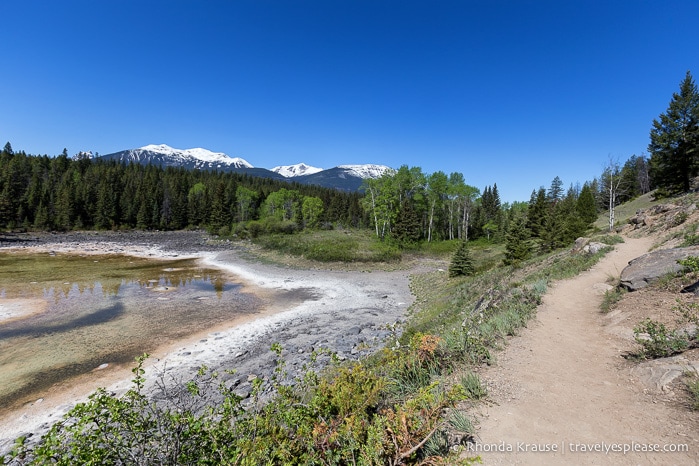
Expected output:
(350, 313)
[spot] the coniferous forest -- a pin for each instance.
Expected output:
(62, 193)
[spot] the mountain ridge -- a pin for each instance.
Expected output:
(343, 177)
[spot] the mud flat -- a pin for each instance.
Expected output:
(348, 312)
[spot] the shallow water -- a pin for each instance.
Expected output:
(62, 316)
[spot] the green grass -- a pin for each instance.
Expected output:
(609, 239)
(473, 386)
(611, 297)
(332, 246)
(692, 384)
(625, 211)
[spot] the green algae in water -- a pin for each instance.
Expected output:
(85, 311)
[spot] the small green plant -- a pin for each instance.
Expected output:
(690, 240)
(691, 263)
(690, 236)
(611, 297)
(473, 386)
(691, 381)
(679, 219)
(657, 341)
(689, 312)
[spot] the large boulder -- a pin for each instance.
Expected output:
(649, 267)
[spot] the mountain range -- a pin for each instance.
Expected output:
(343, 177)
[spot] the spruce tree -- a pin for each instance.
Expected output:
(407, 229)
(536, 212)
(517, 247)
(461, 262)
(586, 206)
(674, 141)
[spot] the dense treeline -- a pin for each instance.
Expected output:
(62, 193)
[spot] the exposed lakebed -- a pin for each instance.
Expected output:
(65, 315)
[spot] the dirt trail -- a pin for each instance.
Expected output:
(563, 381)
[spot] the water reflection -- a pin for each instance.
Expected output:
(80, 312)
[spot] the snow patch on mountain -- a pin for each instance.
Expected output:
(197, 153)
(84, 154)
(367, 170)
(299, 169)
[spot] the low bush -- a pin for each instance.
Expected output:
(658, 341)
(336, 419)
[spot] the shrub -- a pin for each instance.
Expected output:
(338, 418)
(660, 341)
(691, 263)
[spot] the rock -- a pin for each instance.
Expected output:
(649, 267)
(662, 208)
(693, 288)
(594, 247)
(638, 219)
(580, 243)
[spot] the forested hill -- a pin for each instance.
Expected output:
(60, 193)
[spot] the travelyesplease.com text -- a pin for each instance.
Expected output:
(574, 447)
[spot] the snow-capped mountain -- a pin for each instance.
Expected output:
(344, 177)
(367, 170)
(84, 155)
(164, 155)
(299, 169)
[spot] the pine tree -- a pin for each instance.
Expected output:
(8, 149)
(407, 229)
(586, 205)
(461, 262)
(517, 247)
(555, 193)
(553, 231)
(536, 212)
(674, 141)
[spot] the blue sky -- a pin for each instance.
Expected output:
(506, 92)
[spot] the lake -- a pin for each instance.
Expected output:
(62, 316)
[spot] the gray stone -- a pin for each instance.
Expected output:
(580, 243)
(594, 248)
(649, 267)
